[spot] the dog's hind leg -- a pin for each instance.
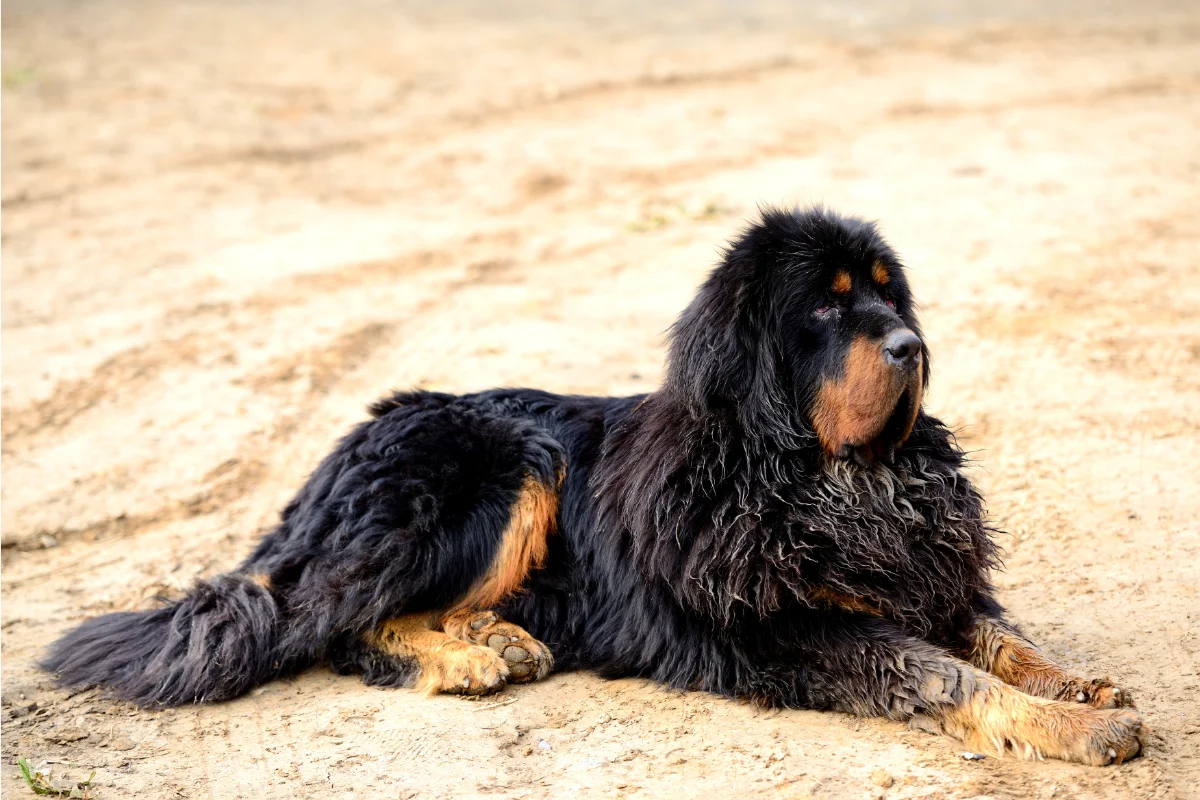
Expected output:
(999, 648)
(467, 649)
(523, 548)
(872, 668)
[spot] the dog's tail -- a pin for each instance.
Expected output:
(215, 644)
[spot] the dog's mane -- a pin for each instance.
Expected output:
(716, 485)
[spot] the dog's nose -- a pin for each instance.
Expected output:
(902, 348)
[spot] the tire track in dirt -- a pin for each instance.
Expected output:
(428, 131)
(229, 482)
(603, 91)
(126, 372)
(69, 399)
(1166, 85)
(320, 369)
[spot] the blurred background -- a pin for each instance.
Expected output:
(228, 226)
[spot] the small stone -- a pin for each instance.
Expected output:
(122, 743)
(497, 642)
(64, 735)
(515, 655)
(881, 778)
(543, 745)
(974, 756)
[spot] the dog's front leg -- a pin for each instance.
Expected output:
(997, 647)
(871, 668)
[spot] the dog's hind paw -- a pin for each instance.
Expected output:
(527, 658)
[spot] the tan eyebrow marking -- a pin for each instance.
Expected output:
(880, 274)
(841, 282)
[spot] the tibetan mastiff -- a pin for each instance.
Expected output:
(780, 521)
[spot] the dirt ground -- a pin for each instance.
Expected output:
(227, 227)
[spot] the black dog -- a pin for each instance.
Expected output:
(780, 521)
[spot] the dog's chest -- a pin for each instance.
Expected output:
(910, 545)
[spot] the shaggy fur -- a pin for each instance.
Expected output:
(779, 521)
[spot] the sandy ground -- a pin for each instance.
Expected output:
(226, 228)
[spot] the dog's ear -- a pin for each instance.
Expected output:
(724, 351)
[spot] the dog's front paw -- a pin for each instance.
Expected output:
(1116, 736)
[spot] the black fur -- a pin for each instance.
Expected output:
(698, 525)
(215, 644)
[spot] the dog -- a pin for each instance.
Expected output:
(779, 522)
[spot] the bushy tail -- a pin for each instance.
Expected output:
(214, 644)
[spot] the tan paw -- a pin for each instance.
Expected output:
(1120, 738)
(526, 657)
(1002, 720)
(1099, 737)
(460, 668)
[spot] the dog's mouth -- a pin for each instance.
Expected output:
(868, 411)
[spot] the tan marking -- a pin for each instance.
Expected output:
(858, 605)
(841, 282)
(880, 274)
(447, 664)
(262, 580)
(523, 546)
(997, 719)
(854, 408)
(1004, 652)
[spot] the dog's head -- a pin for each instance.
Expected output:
(808, 324)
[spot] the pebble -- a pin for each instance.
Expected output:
(974, 756)
(122, 743)
(881, 778)
(63, 735)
